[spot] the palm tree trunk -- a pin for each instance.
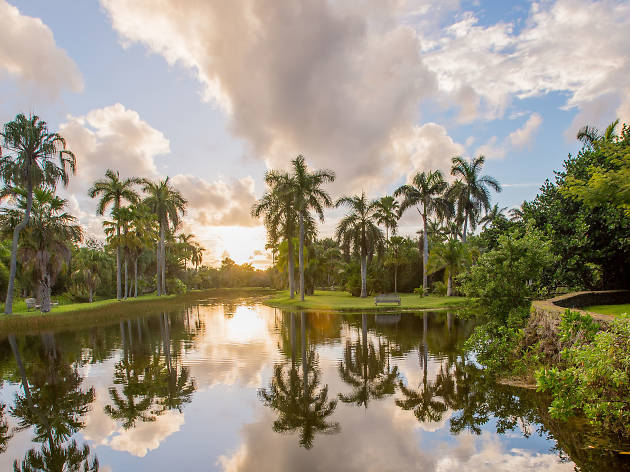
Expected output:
(163, 256)
(301, 257)
(449, 286)
(126, 279)
(157, 272)
(45, 289)
(118, 287)
(465, 228)
(291, 265)
(8, 305)
(91, 293)
(363, 275)
(395, 278)
(135, 277)
(425, 255)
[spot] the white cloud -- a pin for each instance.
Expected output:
(574, 46)
(29, 54)
(523, 136)
(331, 81)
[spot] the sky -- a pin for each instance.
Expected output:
(214, 93)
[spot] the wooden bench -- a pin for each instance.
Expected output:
(31, 304)
(387, 298)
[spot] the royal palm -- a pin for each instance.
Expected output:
(308, 196)
(115, 191)
(168, 205)
(28, 162)
(387, 208)
(426, 193)
(359, 229)
(471, 191)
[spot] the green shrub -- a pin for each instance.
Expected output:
(508, 276)
(418, 290)
(595, 379)
(439, 288)
(176, 286)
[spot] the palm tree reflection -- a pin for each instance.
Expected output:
(367, 369)
(297, 398)
(54, 405)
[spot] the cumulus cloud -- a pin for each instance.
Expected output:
(28, 53)
(518, 139)
(523, 136)
(573, 46)
(331, 81)
(218, 203)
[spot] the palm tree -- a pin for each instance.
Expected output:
(197, 255)
(387, 208)
(167, 204)
(426, 193)
(451, 256)
(359, 229)
(472, 190)
(491, 215)
(141, 233)
(114, 191)
(48, 236)
(308, 196)
(590, 136)
(277, 206)
(29, 164)
(89, 262)
(397, 254)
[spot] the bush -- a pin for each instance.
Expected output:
(439, 288)
(508, 276)
(418, 290)
(176, 286)
(595, 378)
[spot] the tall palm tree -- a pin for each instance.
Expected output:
(89, 262)
(277, 206)
(472, 190)
(491, 215)
(28, 163)
(451, 256)
(168, 205)
(359, 228)
(46, 245)
(309, 195)
(590, 136)
(387, 208)
(114, 191)
(426, 193)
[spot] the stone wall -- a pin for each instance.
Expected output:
(556, 306)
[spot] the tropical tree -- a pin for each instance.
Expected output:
(491, 215)
(114, 191)
(48, 237)
(387, 209)
(590, 136)
(309, 195)
(398, 252)
(426, 193)
(277, 206)
(89, 263)
(28, 162)
(168, 205)
(359, 229)
(452, 257)
(472, 190)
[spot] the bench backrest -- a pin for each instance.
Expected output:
(382, 298)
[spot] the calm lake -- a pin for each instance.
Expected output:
(233, 385)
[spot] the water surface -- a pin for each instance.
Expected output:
(236, 386)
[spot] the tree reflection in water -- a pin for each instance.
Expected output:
(367, 369)
(299, 401)
(53, 404)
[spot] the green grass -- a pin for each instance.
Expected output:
(343, 301)
(609, 309)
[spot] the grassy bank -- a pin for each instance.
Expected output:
(88, 314)
(609, 309)
(343, 301)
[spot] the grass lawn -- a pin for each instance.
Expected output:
(609, 309)
(343, 301)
